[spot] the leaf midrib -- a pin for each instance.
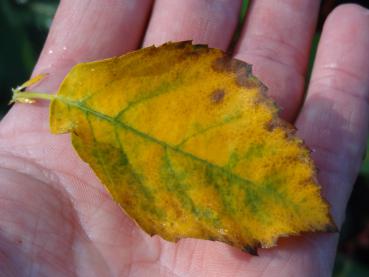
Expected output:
(115, 122)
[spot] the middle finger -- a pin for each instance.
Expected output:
(210, 22)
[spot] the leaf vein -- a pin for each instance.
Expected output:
(134, 103)
(209, 128)
(99, 157)
(115, 122)
(147, 192)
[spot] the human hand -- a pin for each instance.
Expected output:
(56, 219)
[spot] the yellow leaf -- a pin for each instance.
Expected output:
(185, 140)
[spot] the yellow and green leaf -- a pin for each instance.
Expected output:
(185, 140)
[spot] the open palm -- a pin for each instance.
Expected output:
(56, 219)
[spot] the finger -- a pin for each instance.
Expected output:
(82, 31)
(276, 40)
(335, 118)
(210, 22)
(90, 30)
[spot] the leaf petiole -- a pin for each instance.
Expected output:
(29, 97)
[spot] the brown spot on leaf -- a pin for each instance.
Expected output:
(247, 82)
(242, 70)
(197, 50)
(263, 90)
(189, 51)
(251, 250)
(201, 46)
(271, 125)
(331, 228)
(288, 127)
(181, 44)
(217, 95)
(192, 53)
(227, 63)
(74, 131)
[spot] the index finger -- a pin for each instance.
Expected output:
(89, 30)
(81, 31)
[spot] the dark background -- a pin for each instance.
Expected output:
(23, 28)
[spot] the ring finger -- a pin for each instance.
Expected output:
(276, 39)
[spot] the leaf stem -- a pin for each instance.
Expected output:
(29, 97)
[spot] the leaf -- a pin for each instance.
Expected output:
(185, 141)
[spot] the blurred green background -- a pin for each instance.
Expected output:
(23, 28)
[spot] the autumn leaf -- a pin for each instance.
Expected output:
(185, 140)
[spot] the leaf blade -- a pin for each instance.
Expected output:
(205, 154)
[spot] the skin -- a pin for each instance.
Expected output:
(56, 219)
